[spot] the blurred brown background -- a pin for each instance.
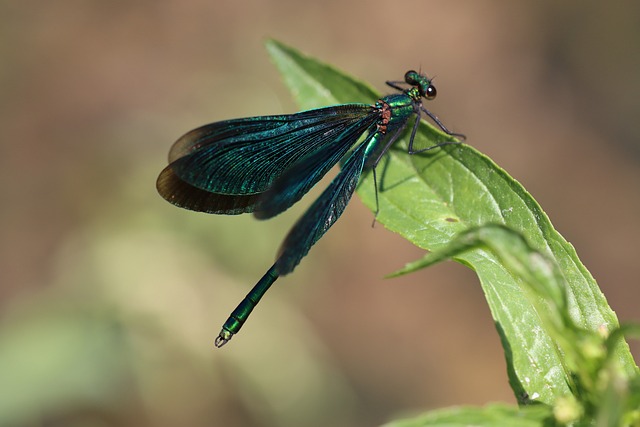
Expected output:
(110, 297)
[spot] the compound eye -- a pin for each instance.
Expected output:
(430, 92)
(410, 77)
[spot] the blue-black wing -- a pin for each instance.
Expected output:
(303, 175)
(323, 213)
(226, 167)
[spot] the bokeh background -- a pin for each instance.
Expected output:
(110, 298)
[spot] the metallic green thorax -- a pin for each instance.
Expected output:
(266, 164)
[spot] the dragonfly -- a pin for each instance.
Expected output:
(263, 165)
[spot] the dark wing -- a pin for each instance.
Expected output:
(186, 196)
(224, 167)
(297, 180)
(323, 213)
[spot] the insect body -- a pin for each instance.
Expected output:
(266, 164)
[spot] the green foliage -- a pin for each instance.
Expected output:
(496, 415)
(562, 341)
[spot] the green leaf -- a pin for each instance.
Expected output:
(539, 276)
(431, 197)
(489, 416)
(600, 390)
